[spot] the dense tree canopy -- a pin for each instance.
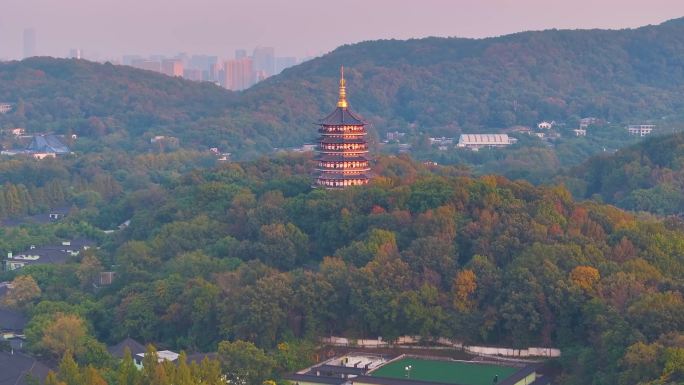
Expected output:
(248, 260)
(644, 177)
(249, 252)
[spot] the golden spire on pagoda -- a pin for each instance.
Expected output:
(343, 90)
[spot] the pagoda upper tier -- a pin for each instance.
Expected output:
(342, 147)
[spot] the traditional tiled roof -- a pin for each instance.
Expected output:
(12, 320)
(134, 346)
(307, 378)
(15, 367)
(81, 243)
(47, 143)
(46, 255)
(331, 140)
(336, 176)
(341, 117)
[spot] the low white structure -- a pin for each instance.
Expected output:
(5, 108)
(443, 141)
(306, 147)
(586, 122)
(395, 135)
(404, 147)
(580, 132)
(641, 129)
(477, 141)
(506, 352)
(358, 360)
(477, 350)
(162, 355)
(546, 125)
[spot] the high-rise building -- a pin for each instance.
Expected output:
(264, 60)
(259, 76)
(192, 74)
(342, 148)
(172, 67)
(246, 73)
(213, 75)
(238, 74)
(75, 53)
(130, 59)
(29, 42)
(240, 54)
(284, 62)
(225, 74)
(202, 62)
(150, 65)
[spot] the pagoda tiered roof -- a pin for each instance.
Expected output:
(333, 140)
(338, 158)
(342, 116)
(337, 176)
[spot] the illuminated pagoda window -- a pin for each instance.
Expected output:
(342, 159)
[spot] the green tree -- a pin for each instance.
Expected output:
(244, 363)
(464, 286)
(658, 313)
(65, 334)
(127, 373)
(24, 290)
(283, 245)
(69, 371)
(89, 270)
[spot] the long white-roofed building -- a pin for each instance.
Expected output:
(477, 141)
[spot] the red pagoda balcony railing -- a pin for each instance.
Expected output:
(350, 135)
(343, 165)
(341, 129)
(343, 146)
(355, 170)
(332, 183)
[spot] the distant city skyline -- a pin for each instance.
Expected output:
(106, 29)
(238, 73)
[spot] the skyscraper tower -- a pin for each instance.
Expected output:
(264, 60)
(29, 42)
(240, 54)
(75, 53)
(342, 148)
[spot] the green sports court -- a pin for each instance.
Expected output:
(449, 372)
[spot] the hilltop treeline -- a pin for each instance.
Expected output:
(644, 177)
(437, 86)
(249, 252)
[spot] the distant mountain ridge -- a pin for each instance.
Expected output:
(514, 79)
(441, 86)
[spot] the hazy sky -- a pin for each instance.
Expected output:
(110, 28)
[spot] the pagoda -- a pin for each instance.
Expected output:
(342, 147)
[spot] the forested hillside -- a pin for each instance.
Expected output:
(648, 176)
(439, 86)
(249, 252)
(447, 84)
(247, 260)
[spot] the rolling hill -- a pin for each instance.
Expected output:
(440, 86)
(645, 177)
